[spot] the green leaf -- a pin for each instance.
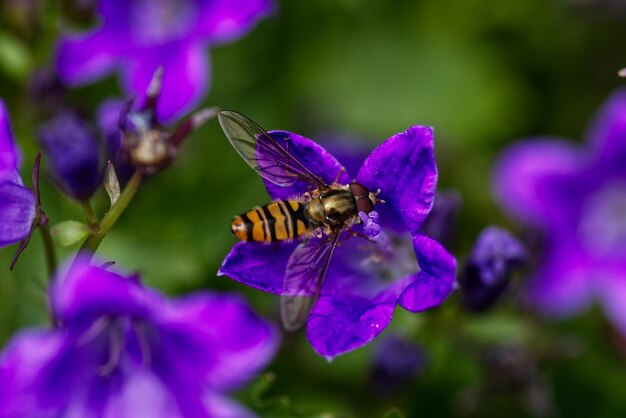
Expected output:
(15, 59)
(69, 233)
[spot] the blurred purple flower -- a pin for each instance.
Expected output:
(18, 207)
(397, 362)
(577, 196)
(122, 350)
(135, 37)
(73, 152)
(366, 279)
(488, 268)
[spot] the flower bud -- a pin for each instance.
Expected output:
(488, 268)
(145, 143)
(73, 154)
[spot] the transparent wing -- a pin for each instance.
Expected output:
(305, 274)
(263, 153)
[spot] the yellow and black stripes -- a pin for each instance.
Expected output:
(281, 220)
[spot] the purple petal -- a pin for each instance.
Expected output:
(404, 169)
(524, 174)
(496, 250)
(349, 150)
(9, 156)
(312, 156)
(82, 292)
(139, 394)
(563, 285)
(73, 154)
(215, 339)
(185, 77)
(108, 120)
(82, 59)
(226, 20)
(17, 212)
(23, 370)
(258, 265)
(355, 304)
(221, 407)
(343, 322)
(608, 132)
(612, 292)
(434, 283)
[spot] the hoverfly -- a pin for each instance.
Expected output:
(316, 219)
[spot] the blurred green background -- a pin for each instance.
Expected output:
(483, 73)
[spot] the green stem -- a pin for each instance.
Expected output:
(92, 219)
(48, 245)
(91, 244)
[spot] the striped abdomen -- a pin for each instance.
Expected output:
(279, 221)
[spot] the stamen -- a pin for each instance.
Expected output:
(144, 346)
(116, 349)
(94, 330)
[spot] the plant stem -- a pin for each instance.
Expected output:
(48, 245)
(91, 244)
(92, 219)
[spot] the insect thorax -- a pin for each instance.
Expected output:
(333, 207)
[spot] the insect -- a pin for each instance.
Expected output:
(316, 219)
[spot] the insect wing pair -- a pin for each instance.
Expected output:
(308, 264)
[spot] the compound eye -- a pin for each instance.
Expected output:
(362, 197)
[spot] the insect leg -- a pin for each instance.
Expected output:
(343, 170)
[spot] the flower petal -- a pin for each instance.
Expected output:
(355, 303)
(108, 121)
(24, 373)
(186, 76)
(9, 155)
(221, 407)
(344, 322)
(404, 169)
(140, 394)
(312, 156)
(82, 292)
(612, 292)
(226, 20)
(84, 58)
(434, 283)
(17, 212)
(523, 177)
(258, 265)
(563, 286)
(607, 133)
(214, 339)
(73, 154)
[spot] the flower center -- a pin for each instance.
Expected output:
(602, 229)
(392, 257)
(110, 339)
(155, 22)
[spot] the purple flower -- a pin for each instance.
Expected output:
(73, 154)
(577, 197)
(18, 207)
(488, 268)
(135, 37)
(122, 350)
(366, 279)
